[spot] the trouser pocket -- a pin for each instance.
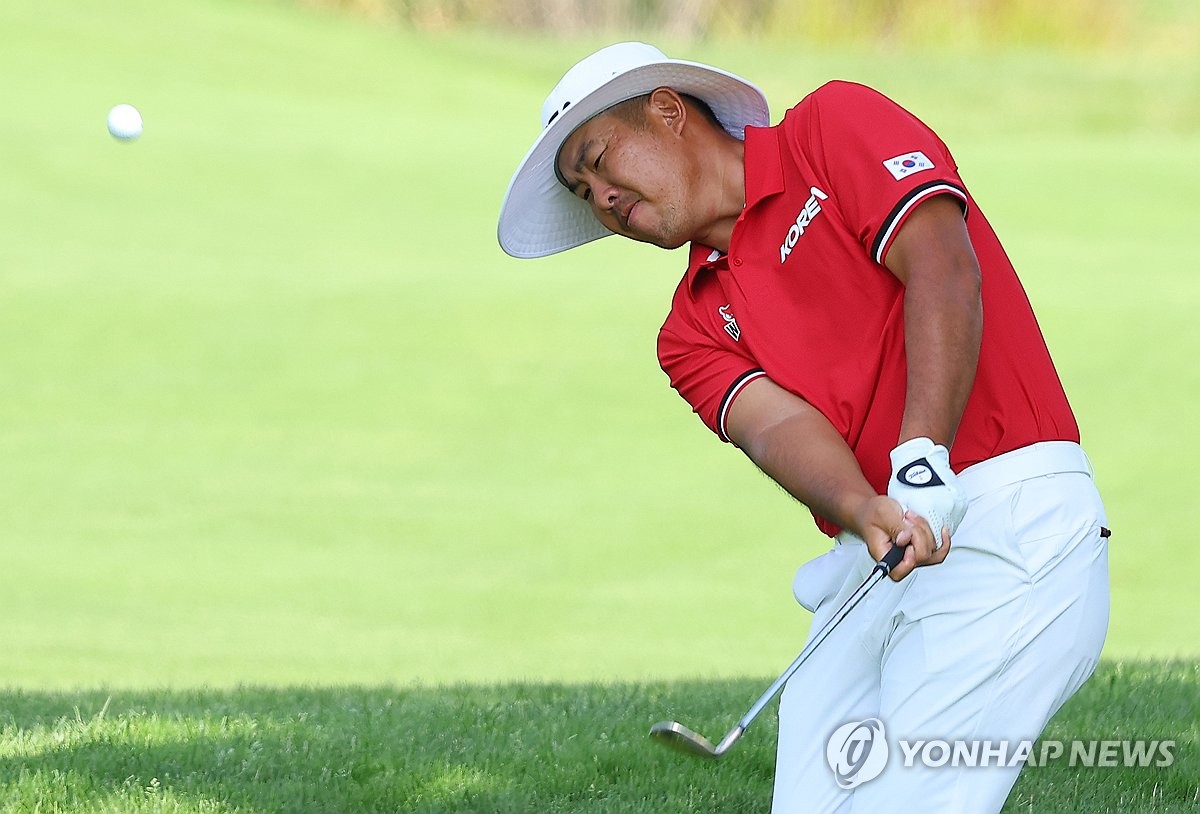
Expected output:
(822, 578)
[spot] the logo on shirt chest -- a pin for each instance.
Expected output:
(731, 326)
(812, 208)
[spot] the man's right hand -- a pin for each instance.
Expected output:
(881, 522)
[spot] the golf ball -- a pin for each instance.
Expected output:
(124, 122)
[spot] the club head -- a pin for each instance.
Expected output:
(676, 736)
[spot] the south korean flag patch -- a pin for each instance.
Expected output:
(905, 165)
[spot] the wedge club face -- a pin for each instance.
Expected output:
(677, 736)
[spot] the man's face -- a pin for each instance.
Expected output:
(632, 175)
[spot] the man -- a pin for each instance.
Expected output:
(849, 320)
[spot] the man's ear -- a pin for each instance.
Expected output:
(667, 106)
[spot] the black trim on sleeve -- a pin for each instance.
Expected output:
(737, 385)
(885, 230)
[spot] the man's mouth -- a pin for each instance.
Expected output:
(625, 213)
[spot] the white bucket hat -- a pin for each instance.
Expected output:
(539, 215)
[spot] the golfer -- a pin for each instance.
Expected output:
(850, 321)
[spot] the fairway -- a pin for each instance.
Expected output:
(280, 414)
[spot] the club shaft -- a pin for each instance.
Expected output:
(881, 569)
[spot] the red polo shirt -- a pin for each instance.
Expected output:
(804, 298)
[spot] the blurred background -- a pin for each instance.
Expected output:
(277, 409)
(939, 24)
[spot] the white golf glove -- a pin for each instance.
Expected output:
(923, 482)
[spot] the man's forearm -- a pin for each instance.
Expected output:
(943, 320)
(806, 456)
(943, 317)
(797, 446)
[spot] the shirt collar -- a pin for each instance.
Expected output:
(763, 169)
(764, 164)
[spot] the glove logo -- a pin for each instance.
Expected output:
(919, 473)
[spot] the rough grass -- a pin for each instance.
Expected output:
(508, 748)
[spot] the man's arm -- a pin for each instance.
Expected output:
(793, 443)
(943, 317)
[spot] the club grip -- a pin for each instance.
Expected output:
(892, 558)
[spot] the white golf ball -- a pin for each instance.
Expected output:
(124, 122)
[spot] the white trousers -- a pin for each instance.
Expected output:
(984, 647)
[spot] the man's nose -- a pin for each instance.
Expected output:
(607, 199)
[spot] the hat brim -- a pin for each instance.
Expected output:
(540, 217)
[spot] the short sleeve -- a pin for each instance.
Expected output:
(706, 372)
(880, 161)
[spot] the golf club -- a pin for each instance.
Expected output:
(677, 736)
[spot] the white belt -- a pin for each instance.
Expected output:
(1033, 461)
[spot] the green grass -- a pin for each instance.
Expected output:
(502, 749)
(278, 412)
